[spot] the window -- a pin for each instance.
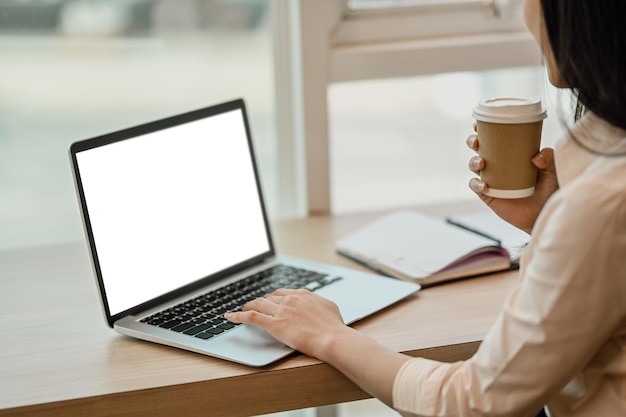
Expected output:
(400, 142)
(73, 69)
(356, 41)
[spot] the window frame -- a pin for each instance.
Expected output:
(338, 43)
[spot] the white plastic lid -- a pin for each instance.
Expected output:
(509, 110)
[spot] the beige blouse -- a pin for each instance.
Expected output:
(560, 338)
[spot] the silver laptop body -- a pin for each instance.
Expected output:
(173, 209)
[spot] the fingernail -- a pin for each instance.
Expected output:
(479, 186)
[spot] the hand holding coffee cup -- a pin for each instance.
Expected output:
(509, 131)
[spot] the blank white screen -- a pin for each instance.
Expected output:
(173, 206)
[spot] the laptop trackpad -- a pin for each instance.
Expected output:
(250, 345)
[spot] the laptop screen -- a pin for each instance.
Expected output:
(171, 206)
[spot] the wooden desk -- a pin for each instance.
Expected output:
(57, 357)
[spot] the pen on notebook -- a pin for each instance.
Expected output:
(478, 232)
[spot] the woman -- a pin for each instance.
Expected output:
(560, 339)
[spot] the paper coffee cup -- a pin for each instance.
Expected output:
(509, 136)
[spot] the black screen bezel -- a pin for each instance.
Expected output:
(140, 130)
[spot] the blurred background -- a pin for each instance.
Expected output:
(72, 69)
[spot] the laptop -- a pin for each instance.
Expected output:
(178, 235)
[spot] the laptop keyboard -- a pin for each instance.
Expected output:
(203, 316)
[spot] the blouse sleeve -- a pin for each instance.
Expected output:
(570, 299)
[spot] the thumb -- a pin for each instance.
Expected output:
(544, 160)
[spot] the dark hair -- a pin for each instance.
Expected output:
(588, 38)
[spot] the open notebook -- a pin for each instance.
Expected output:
(417, 248)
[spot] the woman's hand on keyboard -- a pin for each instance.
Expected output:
(313, 325)
(301, 319)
